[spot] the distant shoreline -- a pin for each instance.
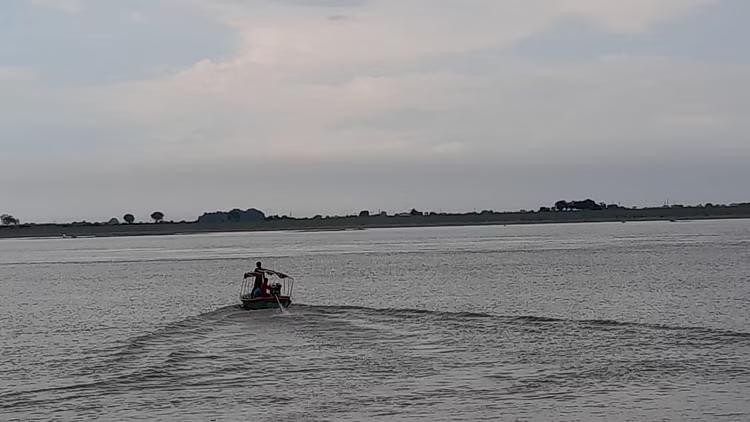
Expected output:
(368, 222)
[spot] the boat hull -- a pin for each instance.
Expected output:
(266, 302)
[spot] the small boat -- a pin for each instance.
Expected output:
(278, 295)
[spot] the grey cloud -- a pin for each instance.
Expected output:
(397, 112)
(324, 3)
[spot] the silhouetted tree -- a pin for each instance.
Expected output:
(8, 219)
(415, 212)
(364, 213)
(235, 215)
(561, 205)
(586, 204)
(129, 218)
(113, 220)
(157, 216)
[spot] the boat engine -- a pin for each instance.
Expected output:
(275, 289)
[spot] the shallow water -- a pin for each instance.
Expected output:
(636, 321)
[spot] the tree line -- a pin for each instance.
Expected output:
(254, 215)
(157, 216)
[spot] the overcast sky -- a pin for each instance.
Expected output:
(333, 106)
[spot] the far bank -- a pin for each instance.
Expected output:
(377, 221)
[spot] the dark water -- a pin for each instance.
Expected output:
(645, 321)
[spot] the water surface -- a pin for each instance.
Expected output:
(636, 321)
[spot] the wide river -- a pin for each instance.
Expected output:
(635, 321)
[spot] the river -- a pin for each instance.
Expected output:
(613, 321)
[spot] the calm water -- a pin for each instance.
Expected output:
(636, 321)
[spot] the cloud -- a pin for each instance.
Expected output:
(297, 76)
(135, 16)
(17, 74)
(67, 6)
(300, 35)
(384, 83)
(630, 16)
(610, 109)
(422, 97)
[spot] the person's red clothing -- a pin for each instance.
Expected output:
(264, 287)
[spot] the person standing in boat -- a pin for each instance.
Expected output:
(260, 276)
(260, 283)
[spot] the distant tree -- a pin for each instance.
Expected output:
(414, 212)
(544, 209)
(157, 216)
(8, 219)
(561, 205)
(364, 213)
(113, 220)
(129, 218)
(235, 215)
(586, 204)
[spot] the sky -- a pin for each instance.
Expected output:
(304, 107)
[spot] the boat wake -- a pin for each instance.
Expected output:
(433, 355)
(517, 319)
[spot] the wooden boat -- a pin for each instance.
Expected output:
(278, 294)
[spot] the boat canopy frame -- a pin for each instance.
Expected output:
(248, 281)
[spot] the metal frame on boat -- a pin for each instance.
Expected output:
(279, 295)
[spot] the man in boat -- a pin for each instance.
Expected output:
(260, 279)
(260, 284)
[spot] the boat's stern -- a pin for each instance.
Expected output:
(268, 302)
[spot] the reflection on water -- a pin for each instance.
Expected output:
(594, 321)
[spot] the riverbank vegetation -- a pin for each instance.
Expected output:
(254, 219)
